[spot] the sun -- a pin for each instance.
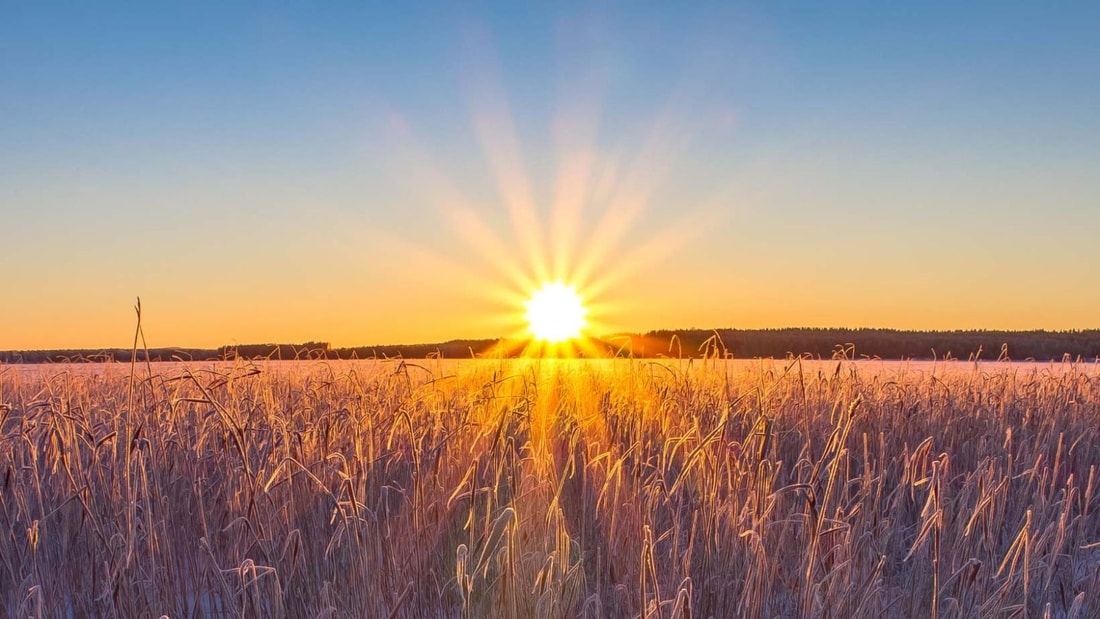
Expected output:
(556, 313)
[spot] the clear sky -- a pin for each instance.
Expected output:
(402, 172)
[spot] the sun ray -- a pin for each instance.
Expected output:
(633, 192)
(650, 252)
(433, 187)
(670, 133)
(493, 123)
(581, 85)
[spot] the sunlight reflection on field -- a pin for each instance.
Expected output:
(425, 368)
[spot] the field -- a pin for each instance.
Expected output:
(549, 488)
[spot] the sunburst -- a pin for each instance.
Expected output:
(556, 271)
(555, 313)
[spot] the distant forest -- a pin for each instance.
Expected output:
(731, 343)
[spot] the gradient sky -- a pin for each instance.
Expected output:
(389, 172)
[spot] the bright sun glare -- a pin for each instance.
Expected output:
(555, 313)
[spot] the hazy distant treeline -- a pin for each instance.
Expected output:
(309, 350)
(859, 343)
(735, 343)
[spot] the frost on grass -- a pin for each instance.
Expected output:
(523, 488)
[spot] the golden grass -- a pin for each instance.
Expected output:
(553, 489)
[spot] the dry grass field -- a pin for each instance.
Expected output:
(624, 488)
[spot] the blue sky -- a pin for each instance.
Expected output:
(266, 172)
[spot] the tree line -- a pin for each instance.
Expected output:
(828, 343)
(730, 343)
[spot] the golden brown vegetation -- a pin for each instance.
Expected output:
(552, 489)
